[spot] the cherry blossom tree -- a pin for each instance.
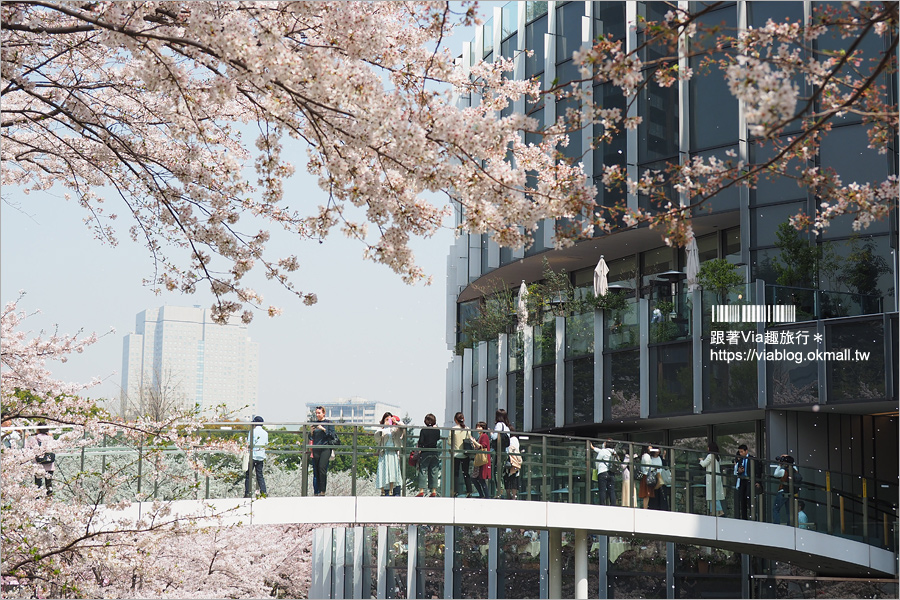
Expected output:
(149, 102)
(62, 545)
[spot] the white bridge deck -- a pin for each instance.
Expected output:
(820, 552)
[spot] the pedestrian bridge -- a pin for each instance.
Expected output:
(807, 549)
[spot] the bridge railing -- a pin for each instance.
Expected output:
(554, 469)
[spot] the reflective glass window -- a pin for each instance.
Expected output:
(580, 390)
(766, 220)
(773, 188)
(856, 367)
(658, 131)
(792, 377)
(713, 109)
(534, 41)
(568, 24)
(622, 384)
(727, 199)
(610, 17)
(671, 380)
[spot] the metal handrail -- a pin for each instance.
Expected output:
(554, 468)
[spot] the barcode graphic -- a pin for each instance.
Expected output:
(754, 313)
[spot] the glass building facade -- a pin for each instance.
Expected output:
(631, 376)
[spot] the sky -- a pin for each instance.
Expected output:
(370, 335)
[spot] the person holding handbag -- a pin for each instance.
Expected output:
(461, 443)
(481, 471)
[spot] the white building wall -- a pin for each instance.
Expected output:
(198, 360)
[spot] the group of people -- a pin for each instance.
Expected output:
(487, 463)
(41, 444)
(476, 456)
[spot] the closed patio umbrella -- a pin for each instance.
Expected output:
(601, 285)
(693, 264)
(521, 307)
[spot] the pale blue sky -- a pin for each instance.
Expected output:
(370, 335)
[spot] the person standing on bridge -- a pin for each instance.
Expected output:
(389, 438)
(323, 434)
(461, 442)
(429, 475)
(258, 438)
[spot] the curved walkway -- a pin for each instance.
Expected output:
(825, 554)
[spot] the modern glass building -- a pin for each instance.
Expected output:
(178, 356)
(821, 387)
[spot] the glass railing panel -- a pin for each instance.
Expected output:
(545, 341)
(804, 300)
(622, 329)
(734, 296)
(580, 335)
(554, 469)
(670, 319)
(792, 370)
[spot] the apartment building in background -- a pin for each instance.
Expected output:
(179, 358)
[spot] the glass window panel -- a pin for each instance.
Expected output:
(611, 19)
(430, 558)
(666, 189)
(509, 46)
(612, 152)
(859, 376)
(545, 342)
(622, 384)
(489, 39)
(708, 247)
(767, 219)
(671, 380)
(580, 391)
(534, 41)
(515, 351)
(652, 11)
(658, 131)
(510, 19)
(727, 199)
(732, 242)
(533, 10)
(792, 378)
(568, 40)
(518, 566)
(544, 397)
(759, 13)
(470, 568)
(516, 400)
(622, 271)
(859, 265)
(492, 398)
(466, 311)
(580, 335)
(773, 188)
(653, 262)
(713, 109)
(728, 385)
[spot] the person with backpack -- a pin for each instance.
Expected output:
(608, 466)
(500, 442)
(784, 472)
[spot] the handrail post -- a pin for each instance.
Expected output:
(588, 474)
(635, 465)
(140, 464)
(304, 460)
(754, 508)
(248, 487)
(829, 504)
(544, 483)
(865, 512)
(570, 468)
(353, 463)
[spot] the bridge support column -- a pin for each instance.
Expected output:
(554, 568)
(581, 564)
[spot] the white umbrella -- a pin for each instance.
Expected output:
(693, 264)
(601, 285)
(521, 307)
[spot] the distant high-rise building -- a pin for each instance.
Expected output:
(354, 410)
(178, 357)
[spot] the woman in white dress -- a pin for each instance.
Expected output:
(389, 438)
(715, 491)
